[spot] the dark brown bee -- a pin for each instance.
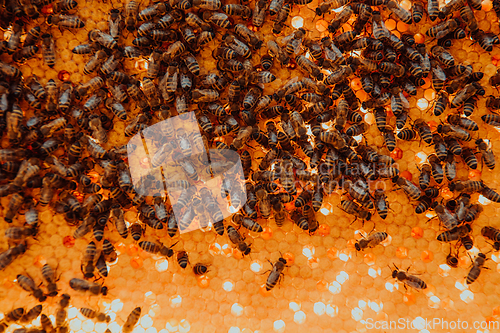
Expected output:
(155, 10)
(409, 188)
(64, 6)
(200, 269)
(182, 259)
(491, 233)
(448, 220)
(490, 194)
(371, 241)
(352, 208)
(132, 320)
(65, 21)
(25, 53)
(237, 239)
(18, 233)
(487, 155)
(424, 130)
(398, 11)
(259, 13)
(101, 266)
(467, 92)
(437, 168)
(237, 10)
(463, 122)
(407, 279)
(276, 273)
(247, 222)
(477, 265)
(339, 19)
(88, 260)
(14, 315)
(454, 132)
(157, 248)
(84, 285)
(469, 158)
(29, 285)
(14, 40)
(50, 277)
(32, 36)
(131, 13)
(10, 71)
(48, 50)
(32, 314)
(492, 103)
(92, 314)
(440, 30)
(454, 234)
(109, 251)
(204, 38)
(417, 10)
(102, 38)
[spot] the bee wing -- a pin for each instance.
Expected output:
(286, 39)
(405, 102)
(415, 282)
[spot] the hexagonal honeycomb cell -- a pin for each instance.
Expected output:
(326, 285)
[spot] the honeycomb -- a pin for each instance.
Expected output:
(327, 285)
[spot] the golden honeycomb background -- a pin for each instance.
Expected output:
(329, 287)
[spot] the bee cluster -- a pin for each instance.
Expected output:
(299, 141)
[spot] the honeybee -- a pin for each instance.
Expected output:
(467, 92)
(102, 38)
(454, 234)
(92, 314)
(14, 315)
(29, 285)
(155, 10)
(32, 314)
(50, 277)
(353, 208)
(490, 194)
(454, 132)
(13, 207)
(132, 320)
(276, 273)
(182, 259)
(109, 251)
(247, 222)
(409, 188)
(84, 285)
(48, 50)
(407, 279)
(487, 155)
(371, 241)
(492, 234)
(88, 260)
(259, 13)
(64, 6)
(475, 270)
(237, 239)
(157, 248)
(18, 233)
(448, 219)
(401, 13)
(340, 19)
(65, 21)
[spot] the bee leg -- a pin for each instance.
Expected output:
(282, 276)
